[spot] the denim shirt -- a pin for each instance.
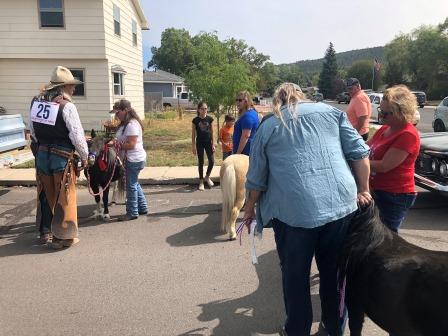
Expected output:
(302, 170)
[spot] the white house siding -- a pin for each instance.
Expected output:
(121, 51)
(21, 36)
(21, 79)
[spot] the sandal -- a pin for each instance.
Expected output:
(45, 238)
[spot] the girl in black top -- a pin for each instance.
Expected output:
(202, 139)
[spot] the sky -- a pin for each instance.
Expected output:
(290, 30)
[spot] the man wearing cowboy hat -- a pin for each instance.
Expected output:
(55, 125)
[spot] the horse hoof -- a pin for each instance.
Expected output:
(106, 217)
(113, 203)
(232, 238)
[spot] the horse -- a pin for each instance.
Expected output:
(401, 287)
(103, 169)
(232, 179)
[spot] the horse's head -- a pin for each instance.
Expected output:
(98, 146)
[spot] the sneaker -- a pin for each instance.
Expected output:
(56, 244)
(142, 213)
(126, 218)
(209, 181)
(201, 186)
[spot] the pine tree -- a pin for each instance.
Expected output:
(328, 73)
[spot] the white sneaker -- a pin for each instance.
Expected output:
(209, 182)
(201, 186)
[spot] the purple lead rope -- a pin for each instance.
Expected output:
(239, 230)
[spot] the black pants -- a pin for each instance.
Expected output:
(200, 147)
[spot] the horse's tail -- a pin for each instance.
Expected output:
(228, 189)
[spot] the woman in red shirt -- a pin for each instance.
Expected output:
(393, 151)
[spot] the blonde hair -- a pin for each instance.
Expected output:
(286, 94)
(402, 102)
(247, 96)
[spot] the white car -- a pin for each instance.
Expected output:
(375, 99)
(440, 122)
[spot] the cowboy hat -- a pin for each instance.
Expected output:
(61, 76)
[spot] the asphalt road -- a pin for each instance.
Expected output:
(170, 273)
(426, 116)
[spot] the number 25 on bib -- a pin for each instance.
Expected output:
(44, 112)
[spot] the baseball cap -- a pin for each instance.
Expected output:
(351, 82)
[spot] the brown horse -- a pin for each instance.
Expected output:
(233, 178)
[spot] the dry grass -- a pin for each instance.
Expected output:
(168, 142)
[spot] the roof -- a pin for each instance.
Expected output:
(143, 21)
(161, 76)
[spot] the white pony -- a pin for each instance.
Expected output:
(233, 178)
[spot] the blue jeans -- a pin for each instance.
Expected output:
(393, 207)
(135, 199)
(48, 164)
(296, 248)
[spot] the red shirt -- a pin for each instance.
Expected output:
(401, 178)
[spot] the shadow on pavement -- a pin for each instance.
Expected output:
(260, 312)
(202, 233)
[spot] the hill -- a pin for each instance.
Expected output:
(345, 59)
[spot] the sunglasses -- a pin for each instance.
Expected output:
(384, 113)
(239, 100)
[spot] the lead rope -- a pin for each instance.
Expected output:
(101, 188)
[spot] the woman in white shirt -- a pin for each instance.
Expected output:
(130, 138)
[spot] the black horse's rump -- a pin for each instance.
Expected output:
(401, 287)
(105, 169)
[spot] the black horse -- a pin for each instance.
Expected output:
(401, 287)
(104, 168)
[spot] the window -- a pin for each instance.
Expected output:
(117, 20)
(118, 84)
(51, 13)
(79, 89)
(134, 33)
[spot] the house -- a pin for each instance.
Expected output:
(168, 84)
(100, 41)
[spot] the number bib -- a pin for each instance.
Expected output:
(44, 112)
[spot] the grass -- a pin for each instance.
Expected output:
(168, 141)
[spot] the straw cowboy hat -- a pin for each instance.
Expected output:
(61, 76)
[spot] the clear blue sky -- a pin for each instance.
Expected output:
(291, 30)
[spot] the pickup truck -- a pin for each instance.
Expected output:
(182, 100)
(431, 167)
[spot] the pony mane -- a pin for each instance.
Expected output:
(366, 232)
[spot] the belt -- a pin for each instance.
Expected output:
(56, 151)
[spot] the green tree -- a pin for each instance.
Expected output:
(328, 73)
(175, 52)
(212, 78)
(268, 78)
(363, 70)
(397, 60)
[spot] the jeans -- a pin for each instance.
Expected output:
(200, 147)
(225, 155)
(48, 164)
(393, 207)
(135, 199)
(296, 247)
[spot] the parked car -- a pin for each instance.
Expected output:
(421, 98)
(343, 97)
(440, 120)
(431, 167)
(183, 100)
(375, 99)
(318, 97)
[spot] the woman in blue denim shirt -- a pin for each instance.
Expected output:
(300, 177)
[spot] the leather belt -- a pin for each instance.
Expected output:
(56, 151)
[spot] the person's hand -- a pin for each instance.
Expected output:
(249, 215)
(193, 149)
(213, 148)
(364, 198)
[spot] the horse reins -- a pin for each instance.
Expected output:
(108, 183)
